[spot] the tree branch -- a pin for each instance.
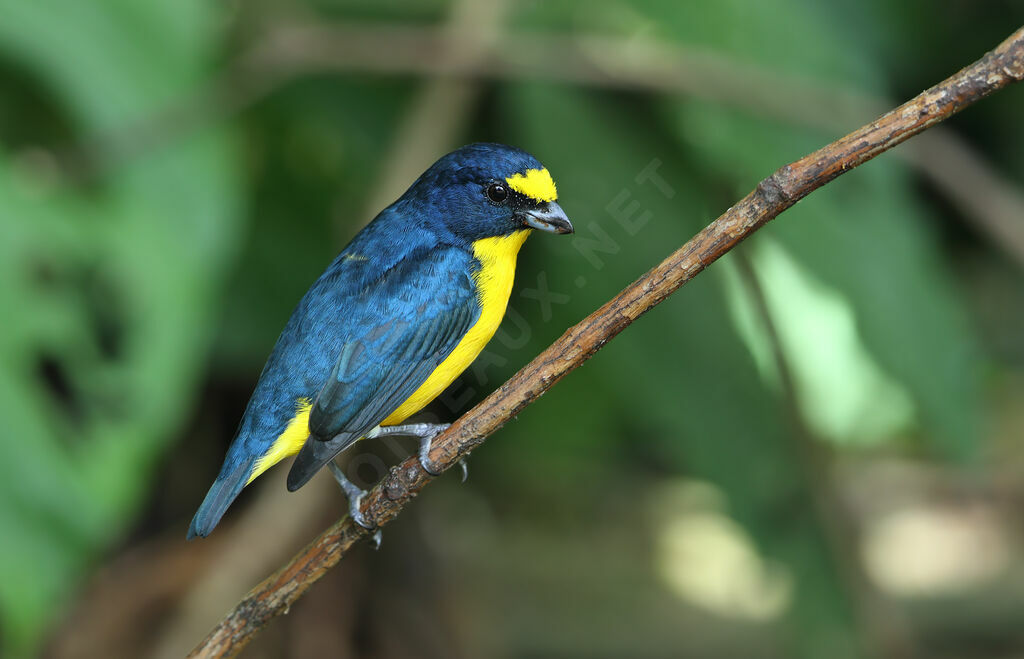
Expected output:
(771, 197)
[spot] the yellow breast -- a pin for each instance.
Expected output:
(497, 257)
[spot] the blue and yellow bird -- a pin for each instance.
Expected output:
(395, 318)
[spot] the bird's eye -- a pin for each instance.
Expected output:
(497, 192)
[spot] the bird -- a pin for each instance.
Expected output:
(404, 309)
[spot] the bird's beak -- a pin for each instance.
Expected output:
(549, 217)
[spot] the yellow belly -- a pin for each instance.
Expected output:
(497, 257)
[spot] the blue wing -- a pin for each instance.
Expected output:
(404, 327)
(391, 267)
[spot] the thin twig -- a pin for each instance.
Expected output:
(772, 196)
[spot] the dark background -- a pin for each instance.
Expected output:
(812, 450)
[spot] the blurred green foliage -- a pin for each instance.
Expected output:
(108, 286)
(136, 257)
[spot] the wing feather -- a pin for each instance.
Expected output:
(410, 322)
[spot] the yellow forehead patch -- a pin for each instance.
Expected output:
(536, 184)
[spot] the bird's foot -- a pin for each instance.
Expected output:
(355, 498)
(428, 464)
(425, 432)
(425, 442)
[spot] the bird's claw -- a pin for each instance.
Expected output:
(428, 465)
(355, 498)
(355, 511)
(425, 442)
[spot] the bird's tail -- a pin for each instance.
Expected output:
(315, 454)
(222, 493)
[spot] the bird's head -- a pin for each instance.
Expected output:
(485, 190)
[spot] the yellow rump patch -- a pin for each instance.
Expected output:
(287, 443)
(536, 184)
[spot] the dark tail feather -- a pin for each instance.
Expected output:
(315, 454)
(222, 493)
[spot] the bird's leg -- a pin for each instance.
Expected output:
(425, 432)
(354, 495)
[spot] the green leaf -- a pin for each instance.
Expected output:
(866, 239)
